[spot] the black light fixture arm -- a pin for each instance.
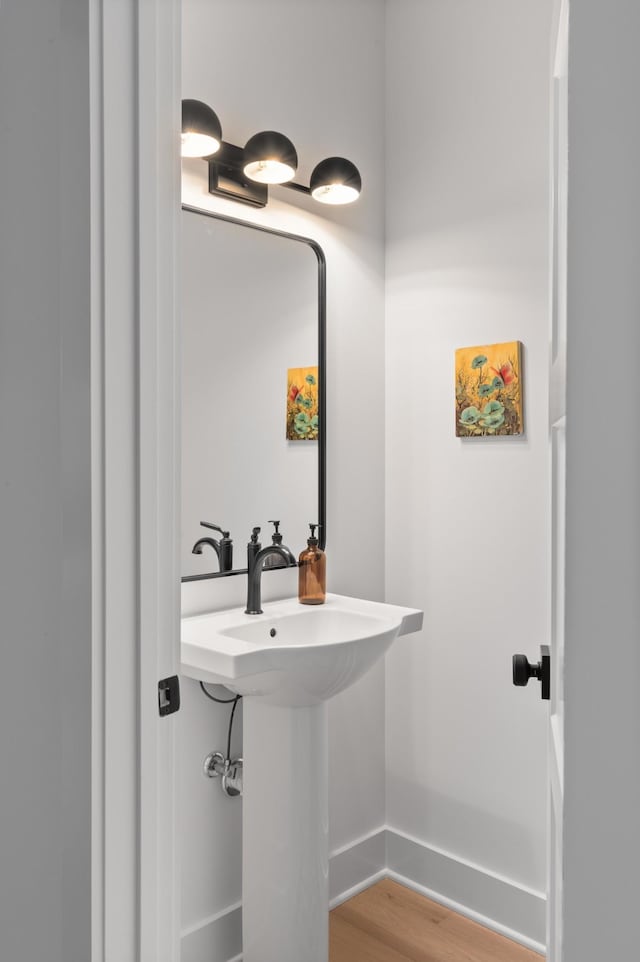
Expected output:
(299, 187)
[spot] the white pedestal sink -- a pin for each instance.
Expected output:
(287, 663)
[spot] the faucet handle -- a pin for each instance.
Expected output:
(253, 548)
(214, 527)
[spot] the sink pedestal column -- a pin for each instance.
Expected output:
(285, 880)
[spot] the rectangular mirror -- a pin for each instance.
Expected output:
(253, 425)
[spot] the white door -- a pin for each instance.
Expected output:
(601, 798)
(557, 432)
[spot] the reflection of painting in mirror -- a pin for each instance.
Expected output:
(488, 390)
(302, 404)
(249, 313)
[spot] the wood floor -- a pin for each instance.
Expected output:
(390, 923)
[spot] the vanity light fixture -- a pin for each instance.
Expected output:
(270, 158)
(201, 129)
(243, 174)
(335, 181)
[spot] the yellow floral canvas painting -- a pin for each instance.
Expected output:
(489, 390)
(302, 404)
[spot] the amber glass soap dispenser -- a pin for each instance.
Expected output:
(312, 573)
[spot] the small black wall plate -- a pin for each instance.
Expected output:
(227, 178)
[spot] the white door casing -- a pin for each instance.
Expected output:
(135, 207)
(557, 435)
(159, 82)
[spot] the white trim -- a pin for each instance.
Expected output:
(357, 889)
(499, 903)
(116, 211)
(349, 846)
(466, 863)
(558, 267)
(135, 203)
(158, 360)
(354, 867)
(483, 920)
(97, 489)
(215, 939)
(211, 919)
(556, 757)
(561, 53)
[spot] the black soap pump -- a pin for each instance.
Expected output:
(312, 572)
(272, 560)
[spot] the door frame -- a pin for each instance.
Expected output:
(135, 207)
(557, 452)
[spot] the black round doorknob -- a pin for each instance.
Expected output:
(523, 670)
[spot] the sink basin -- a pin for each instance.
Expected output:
(292, 655)
(287, 663)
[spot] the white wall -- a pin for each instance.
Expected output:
(284, 65)
(466, 521)
(45, 546)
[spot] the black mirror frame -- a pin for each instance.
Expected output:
(322, 375)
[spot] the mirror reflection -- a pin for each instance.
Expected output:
(252, 444)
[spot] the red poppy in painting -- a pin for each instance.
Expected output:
(506, 372)
(294, 392)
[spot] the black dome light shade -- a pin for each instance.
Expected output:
(201, 130)
(335, 181)
(270, 158)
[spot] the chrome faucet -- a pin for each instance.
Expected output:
(255, 561)
(223, 548)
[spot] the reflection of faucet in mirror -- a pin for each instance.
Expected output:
(256, 558)
(223, 548)
(273, 561)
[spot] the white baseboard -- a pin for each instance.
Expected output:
(355, 867)
(495, 902)
(215, 939)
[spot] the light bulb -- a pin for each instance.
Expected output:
(195, 144)
(269, 171)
